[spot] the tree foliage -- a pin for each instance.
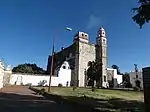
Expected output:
(28, 68)
(94, 72)
(126, 77)
(142, 13)
(126, 80)
(117, 68)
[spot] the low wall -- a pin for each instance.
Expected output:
(1, 76)
(1, 81)
(25, 79)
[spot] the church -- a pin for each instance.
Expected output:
(78, 54)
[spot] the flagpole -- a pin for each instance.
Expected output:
(51, 66)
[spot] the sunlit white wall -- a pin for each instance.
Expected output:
(1, 74)
(64, 76)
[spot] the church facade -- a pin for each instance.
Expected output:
(79, 53)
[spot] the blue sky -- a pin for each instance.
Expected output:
(27, 28)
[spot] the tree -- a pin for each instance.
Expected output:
(126, 80)
(117, 68)
(28, 68)
(94, 72)
(143, 13)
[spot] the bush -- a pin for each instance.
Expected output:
(46, 85)
(128, 85)
(136, 88)
(74, 88)
(93, 89)
(29, 84)
(41, 92)
(59, 85)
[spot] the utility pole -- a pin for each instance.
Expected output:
(52, 60)
(51, 66)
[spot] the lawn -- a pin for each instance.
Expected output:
(103, 99)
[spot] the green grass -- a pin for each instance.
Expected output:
(98, 94)
(101, 98)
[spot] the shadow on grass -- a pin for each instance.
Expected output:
(10, 102)
(110, 105)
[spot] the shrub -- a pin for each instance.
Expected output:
(46, 85)
(93, 89)
(136, 88)
(74, 88)
(59, 85)
(128, 85)
(41, 92)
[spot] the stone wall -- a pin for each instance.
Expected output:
(25, 79)
(35, 80)
(86, 54)
(64, 77)
(75, 70)
(1, 74)
(133, 78)
(6, 77)
(114, 77)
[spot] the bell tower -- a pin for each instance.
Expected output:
(101, 55)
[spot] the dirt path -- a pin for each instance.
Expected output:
(21, 99)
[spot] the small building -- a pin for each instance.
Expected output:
(136, 79)
(114, 79)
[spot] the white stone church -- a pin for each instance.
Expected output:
(79, 53)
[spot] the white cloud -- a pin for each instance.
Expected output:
(94, 21)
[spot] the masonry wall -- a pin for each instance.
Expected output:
(1, 75)
(133, 78)
(1, 78)
(86, 54)
(112, 73)
(64, 76)
(25, 79)
(6, 77)
(69, 54)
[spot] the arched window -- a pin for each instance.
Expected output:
(64, 67)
